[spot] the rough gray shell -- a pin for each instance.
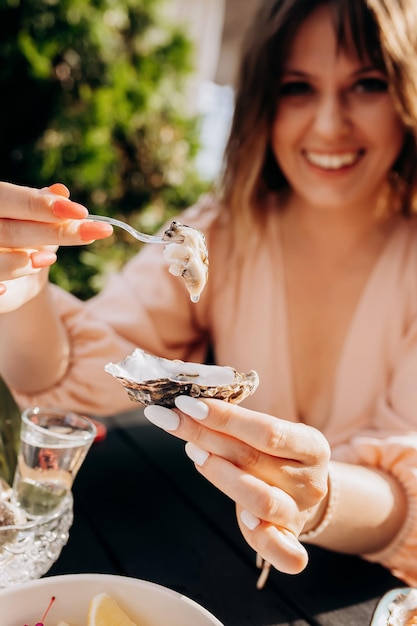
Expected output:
(153, 380)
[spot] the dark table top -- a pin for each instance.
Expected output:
(142, 510)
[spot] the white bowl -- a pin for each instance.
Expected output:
(144, 602)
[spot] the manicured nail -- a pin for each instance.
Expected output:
(59, 189)
(249, 520)
(69, 209)
(43, 258)
(196, 454)
(89, 231)
(192, 407)
(162, 417)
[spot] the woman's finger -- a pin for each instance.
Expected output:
(264, 432)
(59, 189)
(43, 258)
(24, 234)
(38, 205)
(265, 501)
(17, 263)
(276, 545)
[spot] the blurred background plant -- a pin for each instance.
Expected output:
(94, 96)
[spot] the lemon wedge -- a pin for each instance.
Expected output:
(104, 611)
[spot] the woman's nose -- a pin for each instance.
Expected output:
(331, 116)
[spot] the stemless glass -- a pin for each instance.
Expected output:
(37, 513)
(53, 445)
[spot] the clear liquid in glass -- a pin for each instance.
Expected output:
(45, 474)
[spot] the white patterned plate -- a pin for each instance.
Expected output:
(381, 614)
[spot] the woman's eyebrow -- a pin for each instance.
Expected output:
(296, 73)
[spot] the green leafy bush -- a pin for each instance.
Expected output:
(93, 95)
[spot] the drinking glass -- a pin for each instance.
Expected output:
(53, 445)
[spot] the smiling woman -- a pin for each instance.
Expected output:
(336, 131)
(312, 239)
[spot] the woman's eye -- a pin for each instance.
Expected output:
(294, 88)
(371, 85)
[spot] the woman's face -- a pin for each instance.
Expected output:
(336, 132)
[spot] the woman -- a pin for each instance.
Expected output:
(313, 283)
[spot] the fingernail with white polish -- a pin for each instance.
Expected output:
(250, 520)
(192, 407)
(162, 417)
(196, 454)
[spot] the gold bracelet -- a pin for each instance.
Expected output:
(328, 516)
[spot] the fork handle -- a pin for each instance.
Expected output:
(145, 238)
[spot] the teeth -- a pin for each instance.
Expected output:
(332, 161)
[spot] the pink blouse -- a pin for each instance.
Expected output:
(242, 314)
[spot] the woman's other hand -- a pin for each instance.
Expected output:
(33, 224)
(276, 471)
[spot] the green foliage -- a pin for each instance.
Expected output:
(94, 96)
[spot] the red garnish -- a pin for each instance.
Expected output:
(46, 613)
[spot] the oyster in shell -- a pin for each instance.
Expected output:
(153, 380)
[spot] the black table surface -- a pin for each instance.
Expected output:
(142, 510)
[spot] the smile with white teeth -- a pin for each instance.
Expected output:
(332, 161)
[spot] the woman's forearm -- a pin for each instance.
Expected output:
(34, 347)
(369, 510)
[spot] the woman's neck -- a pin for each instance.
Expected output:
(334, 233)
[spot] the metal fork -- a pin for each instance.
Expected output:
(132, 231)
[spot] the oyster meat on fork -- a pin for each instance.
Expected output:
(185, 251)
(150, 379)
(187, 256)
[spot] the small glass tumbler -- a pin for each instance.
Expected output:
(53, 446)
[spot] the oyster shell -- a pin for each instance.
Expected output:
(153, 380)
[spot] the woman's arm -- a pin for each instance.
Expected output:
(367, 512)
(34, 348)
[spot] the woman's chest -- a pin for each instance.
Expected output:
(324, 351)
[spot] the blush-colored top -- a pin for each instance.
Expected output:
(372, 419)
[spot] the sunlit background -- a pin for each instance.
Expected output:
(127, 102)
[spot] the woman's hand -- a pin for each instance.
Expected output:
(276, 471)
(33, 223)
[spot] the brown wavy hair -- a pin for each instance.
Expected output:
(385, 31)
